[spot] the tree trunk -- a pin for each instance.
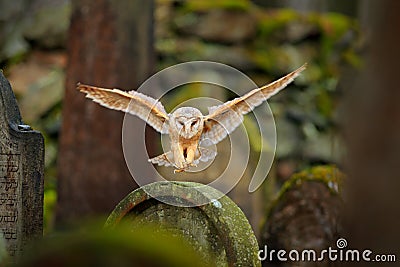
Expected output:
(373, 136)
(110, 45)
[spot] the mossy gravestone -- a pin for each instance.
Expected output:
(21, 175)
(218, 230)
(305, 216)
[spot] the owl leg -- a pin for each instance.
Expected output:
(191, 155)
(179, 158)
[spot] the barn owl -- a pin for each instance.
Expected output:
(190, 132)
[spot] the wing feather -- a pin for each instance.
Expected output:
(143, 106)
(225, 118)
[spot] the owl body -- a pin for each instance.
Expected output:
(190, 132)
(185, 129)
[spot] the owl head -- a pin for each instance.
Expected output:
(188, 121)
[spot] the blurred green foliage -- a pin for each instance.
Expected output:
(195, 5)
(121, 246)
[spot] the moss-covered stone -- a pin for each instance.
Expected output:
(218, 230)
(329, 175)
(306, 214)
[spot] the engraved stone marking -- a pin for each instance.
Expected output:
(21, 175)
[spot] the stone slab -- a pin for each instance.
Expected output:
(21, 175)
(218, 230)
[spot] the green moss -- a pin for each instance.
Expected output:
(270, 22)
(351, 57)
(50, 199)
(329, 175)
(205, 5)
(333, 24)
(225, 217)
(324, 103)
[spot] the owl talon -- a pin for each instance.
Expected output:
(184, 167)
(179, 170)
(187, 165)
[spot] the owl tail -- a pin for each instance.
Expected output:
(165, 159)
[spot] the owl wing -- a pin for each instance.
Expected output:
(206, 154)
(225, 118)
(143, 106)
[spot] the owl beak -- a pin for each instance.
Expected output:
(187, 127)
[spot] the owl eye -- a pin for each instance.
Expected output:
(193, 123)
(181, 123)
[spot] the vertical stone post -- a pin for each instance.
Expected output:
(21, 175)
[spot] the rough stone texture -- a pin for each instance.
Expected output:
(219, 231)
(305, 216)
(3, 251)
(45, 22)
(219, 25)
(21, 175)
(41, 27)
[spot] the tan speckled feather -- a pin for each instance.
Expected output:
(225, 118)
(143, 106)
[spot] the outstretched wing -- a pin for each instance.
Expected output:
(225, 118)
(143, 106)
